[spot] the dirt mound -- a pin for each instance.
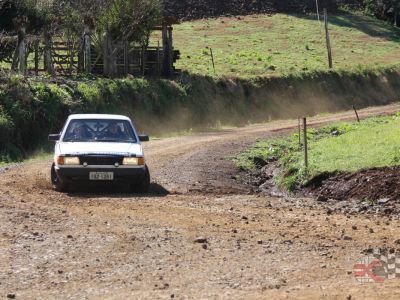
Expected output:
(199, 9)
(372, 191)
(377, 184)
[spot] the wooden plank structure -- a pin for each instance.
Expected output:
(68, 58)
(141, 61)
(65, 58)
(138, 61)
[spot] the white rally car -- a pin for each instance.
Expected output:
(101, 148)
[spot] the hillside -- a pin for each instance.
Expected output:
(282, 44)
(198, 9)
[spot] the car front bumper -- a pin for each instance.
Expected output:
(120, 173)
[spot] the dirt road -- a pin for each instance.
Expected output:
(104, 244)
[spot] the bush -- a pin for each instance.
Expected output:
(6, 128)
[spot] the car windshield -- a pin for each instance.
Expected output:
(112, 131)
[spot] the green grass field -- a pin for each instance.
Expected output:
(372, 143)
(263, 45)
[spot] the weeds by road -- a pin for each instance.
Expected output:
(341, 147)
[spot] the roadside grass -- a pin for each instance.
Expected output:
(341, 147)
(44, 153)
(41, 154)
(263, 45)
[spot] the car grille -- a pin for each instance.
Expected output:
(101, 160)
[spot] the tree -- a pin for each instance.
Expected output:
(107, 22)
(383, 9)
(104, 24)
(18, 17)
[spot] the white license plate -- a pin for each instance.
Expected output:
(101, 176)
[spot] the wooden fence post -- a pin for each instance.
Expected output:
(212, 59)
(299, 130)
(305, 143)
(143, 64)
(316, 2)
(355, 110)
(328, 41)
(87, 55)
(71, 56)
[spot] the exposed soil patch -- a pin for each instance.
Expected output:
(262, 179)
(374, 190)
(377, 184)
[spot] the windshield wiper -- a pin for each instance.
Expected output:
(76, 140)
(107, 140)
(127, 141)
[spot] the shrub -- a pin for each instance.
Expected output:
(6, 128)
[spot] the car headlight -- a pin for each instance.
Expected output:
(134, 161)
(62, 160)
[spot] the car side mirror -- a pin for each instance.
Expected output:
(54, 137)
(144, 138)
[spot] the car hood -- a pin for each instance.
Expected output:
(100, 148)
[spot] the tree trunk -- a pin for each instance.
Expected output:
(167, 70)
(17, 63)
(15, 59)
(48, 59)
(22, 50)
(396, 14)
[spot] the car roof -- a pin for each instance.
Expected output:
(97, 116)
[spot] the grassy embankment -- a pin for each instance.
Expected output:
(30, 109)
(344, 146)
(277, 45)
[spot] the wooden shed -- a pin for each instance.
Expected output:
(158, 60)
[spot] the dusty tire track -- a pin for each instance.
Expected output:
(115, 245)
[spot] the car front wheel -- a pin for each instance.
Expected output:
(144, 186)
(58, 183)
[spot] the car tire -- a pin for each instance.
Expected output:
(144, 186)
(58, 183)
